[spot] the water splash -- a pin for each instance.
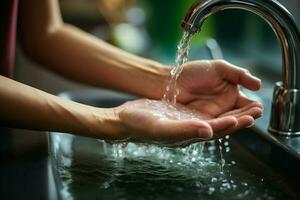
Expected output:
(144, 171)
(222, 160)
(159, 154)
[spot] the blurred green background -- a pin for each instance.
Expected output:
(238, 32)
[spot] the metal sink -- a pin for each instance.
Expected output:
(260, 165)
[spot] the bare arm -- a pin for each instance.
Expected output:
(83, 57)
(25, 107)
(22, 106)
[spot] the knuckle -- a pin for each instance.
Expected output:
(220, 62)
(245, 71)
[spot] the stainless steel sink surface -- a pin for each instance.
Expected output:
(258, 165)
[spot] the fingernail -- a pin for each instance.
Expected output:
(260, 105)
(250, 125)
(205, 133)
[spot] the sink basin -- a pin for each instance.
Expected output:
(251, 164)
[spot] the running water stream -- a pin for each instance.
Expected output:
(182, 54)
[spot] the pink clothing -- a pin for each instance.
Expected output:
(8, 27)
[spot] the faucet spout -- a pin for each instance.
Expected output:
(285, 114)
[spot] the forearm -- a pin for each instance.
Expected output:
(25, 107)
(83, 57)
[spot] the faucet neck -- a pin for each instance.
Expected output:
(279, 18)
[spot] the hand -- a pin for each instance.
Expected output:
(159, 122)
(212, 88)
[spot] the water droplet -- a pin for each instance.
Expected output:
(244, 184)
(211, 190)
(213, 180)
(227, 149)
(105, 185)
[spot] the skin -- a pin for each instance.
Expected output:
(209, 87)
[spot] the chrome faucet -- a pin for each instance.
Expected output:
(285, 114)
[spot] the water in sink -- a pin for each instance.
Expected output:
(93, 169)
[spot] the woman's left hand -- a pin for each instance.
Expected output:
(212, 87)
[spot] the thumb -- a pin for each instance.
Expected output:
(238, 75)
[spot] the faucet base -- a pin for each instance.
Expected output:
(283, 133)
(285, 114)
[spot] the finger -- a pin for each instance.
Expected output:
(245, 109)
(255, 112)
(222, 123)
(243, 122)
(238, 75)
(181, 130)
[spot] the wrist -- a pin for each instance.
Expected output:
(157, 83)
(106, 124)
